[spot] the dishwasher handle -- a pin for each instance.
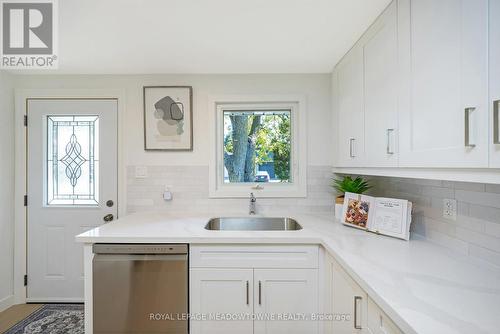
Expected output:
(138, 257)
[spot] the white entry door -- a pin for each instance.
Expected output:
(72, 187)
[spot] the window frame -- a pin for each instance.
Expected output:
(296, 104)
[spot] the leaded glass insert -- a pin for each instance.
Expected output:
(72, 160)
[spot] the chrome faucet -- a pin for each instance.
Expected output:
(253, 200)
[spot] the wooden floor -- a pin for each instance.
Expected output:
(16, 313)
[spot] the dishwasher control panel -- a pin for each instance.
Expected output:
(140, 248)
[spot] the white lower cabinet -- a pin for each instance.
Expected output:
(379, 322)
(265, 284)
(285, 292)
(217, 292)
(353, 310)
(272, 288)
(345, 300)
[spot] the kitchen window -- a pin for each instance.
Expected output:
(260, 148)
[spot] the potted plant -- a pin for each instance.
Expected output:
(348, 185)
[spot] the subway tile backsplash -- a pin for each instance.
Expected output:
(189, 185)
(475, 232)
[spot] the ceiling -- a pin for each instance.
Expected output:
(209, 36)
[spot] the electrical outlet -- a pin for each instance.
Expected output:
(450, 208)
(141, 172)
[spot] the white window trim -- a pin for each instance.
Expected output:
(298, 186)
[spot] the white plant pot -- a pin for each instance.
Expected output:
(338, 210)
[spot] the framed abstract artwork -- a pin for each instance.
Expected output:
(168, 118)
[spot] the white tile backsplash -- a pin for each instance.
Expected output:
(189, 185)
(475, 232)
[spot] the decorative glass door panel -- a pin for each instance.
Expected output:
(72, 176)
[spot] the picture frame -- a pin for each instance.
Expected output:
(168, 118)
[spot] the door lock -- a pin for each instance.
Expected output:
(108, 218)
(109, 203)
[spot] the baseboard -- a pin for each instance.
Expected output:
(6, 302)
(54, 300)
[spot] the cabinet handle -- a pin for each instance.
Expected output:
(496, 120)
(356, 299)
(248, 298)
(351, 147)
(260, 293)
(389, 150)
(468, 142)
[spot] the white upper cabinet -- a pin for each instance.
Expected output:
(494, 102)
(444, 118)
(365, 99)
(380, 61)
(348, 78)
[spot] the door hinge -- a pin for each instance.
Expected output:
(25, 120)
(25, 200)
(25, 280)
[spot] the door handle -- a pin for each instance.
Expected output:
(109, 217)
(352, 153)
(468, 141)
(389, 149)
(356, 299)
(496, 120)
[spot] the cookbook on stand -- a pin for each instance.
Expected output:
(386, 216)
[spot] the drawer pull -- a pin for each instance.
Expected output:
(248, 288)
(356, 299)
(389, 148)
(469, 142)
(260, 293)
(352, 152)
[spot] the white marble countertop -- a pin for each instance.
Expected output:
(423, 288)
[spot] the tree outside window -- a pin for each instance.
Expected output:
(257, 146)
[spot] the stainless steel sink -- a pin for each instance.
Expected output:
(253, 224)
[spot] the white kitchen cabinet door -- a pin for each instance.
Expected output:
(444, 45)
(349, 302)
(350, 114)
(282, 292)
(221, 291)
(379, 322)
(494, 105)
(380, 60)
(335, 117)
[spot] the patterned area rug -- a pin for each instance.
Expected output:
(52, 319)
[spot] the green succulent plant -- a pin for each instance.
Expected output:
(348, 185)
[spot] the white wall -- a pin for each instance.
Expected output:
(315, 86)
(6, 190)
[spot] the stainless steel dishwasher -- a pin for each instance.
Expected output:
(140, 288)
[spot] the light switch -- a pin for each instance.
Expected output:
(141, 172)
